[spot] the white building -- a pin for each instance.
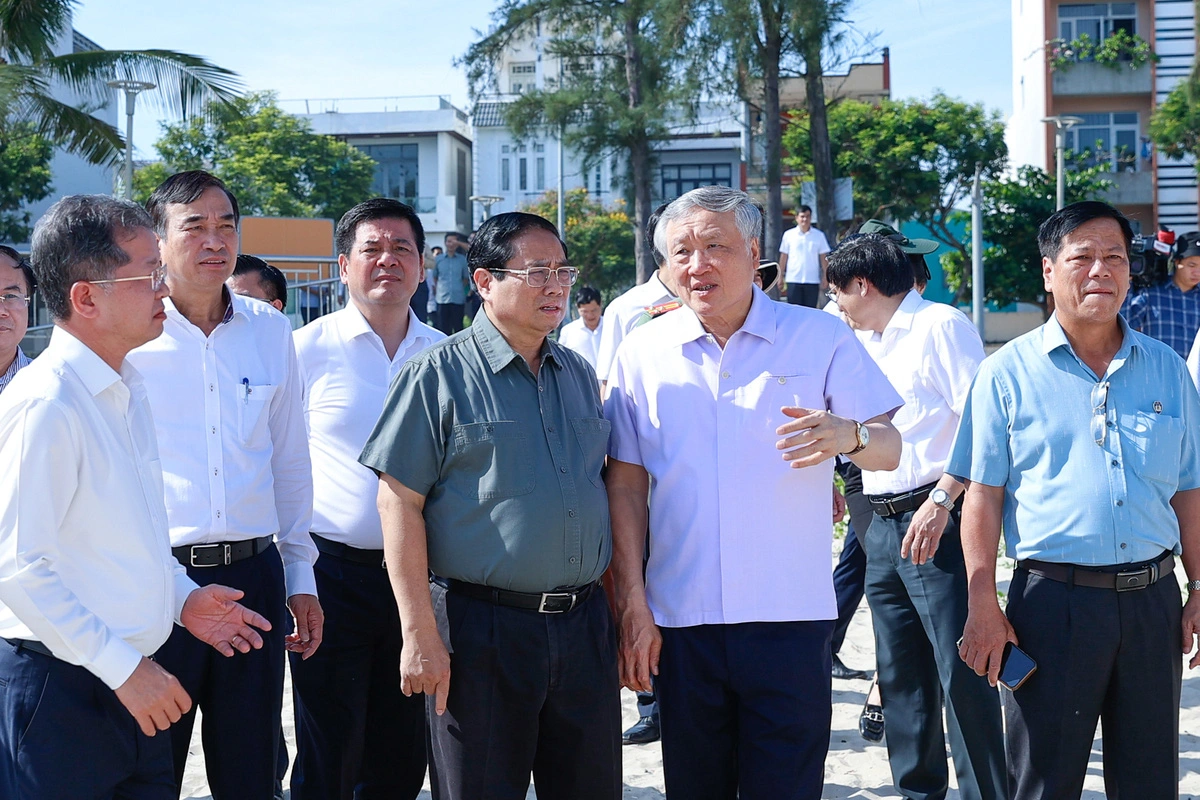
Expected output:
(1114, 105)
(422, 149)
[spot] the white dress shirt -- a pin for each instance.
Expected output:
(345, 374)
(230, 425)
(804, 251)
(1193, 362)
(577, 336)
(85, 560)
(930, 353)
(701, 421)
(620, 316)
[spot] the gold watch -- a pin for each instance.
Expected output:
(864, 438)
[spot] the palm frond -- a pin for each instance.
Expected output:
(29, 28)
(92, 139)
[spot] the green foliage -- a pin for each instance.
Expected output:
(1121, 50)
(24, 178)
(909, 159)
(272, 161)
(1013, 208)
(599, 239)
(185, 84)
(1175, 126)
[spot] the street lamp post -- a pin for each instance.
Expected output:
(131, 92)
(1062, 123)
(487, 201)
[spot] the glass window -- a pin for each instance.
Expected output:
(1109, 140)
(505, 177)
(463, 191)
(395, 170)
(677, 180)
(1097, 20)
(541, 174)
(522, 176)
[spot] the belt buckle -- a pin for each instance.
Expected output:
(556, 596)
(1136, 579)
(226, 554)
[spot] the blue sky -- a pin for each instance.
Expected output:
(385, 48)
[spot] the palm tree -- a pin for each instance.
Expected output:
(28, 66)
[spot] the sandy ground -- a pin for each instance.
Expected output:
(853, 769)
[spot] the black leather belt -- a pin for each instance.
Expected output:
(1127, 581)
(357, 555)
(220, 554)
(893, 505)
(31, 646)
(544, 603)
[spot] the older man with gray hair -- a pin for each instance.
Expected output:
(731, 398)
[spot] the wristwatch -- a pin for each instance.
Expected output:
(941, 497)
(1193, 586)
(864, 439)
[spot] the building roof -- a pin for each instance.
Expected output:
(488, 115)
(82, 44)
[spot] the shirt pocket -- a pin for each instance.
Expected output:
(764, 396)
(496, 456)
(254, 403)
(1157, 440)
(592, 436)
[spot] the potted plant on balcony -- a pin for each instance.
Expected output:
(1119, 51)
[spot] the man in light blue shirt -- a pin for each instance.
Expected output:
(1082, 440)
(451, 280)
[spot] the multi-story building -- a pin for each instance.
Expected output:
(1106, 108)
(422, 149)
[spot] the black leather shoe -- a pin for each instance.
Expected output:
(870, 723)
(645, 731)
(844, 673)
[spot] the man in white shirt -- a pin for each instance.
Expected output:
(733, 397)
(623, 311)
(355, 730)
(225, 390)
(802, 258)
(916, 581)
(16, 289)
(583, 335)
(88, 587)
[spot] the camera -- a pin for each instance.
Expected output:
(1150, 257)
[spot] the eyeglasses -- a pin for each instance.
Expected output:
(156, 278)
(1100, 412)
(14, 302)
(831, 294)
(538, 277)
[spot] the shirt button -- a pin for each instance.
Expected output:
(573, 559)
(218, 515)
(214, 430)
(725, 374)
(1114, 463)
(210, 387)
(783, 380)
(1123, 545)
(550, 428)
(215, 472)
(541, 388)
(1120, 502)
(562, 469)
(571, 512)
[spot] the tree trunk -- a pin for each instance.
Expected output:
(639, 154)
(772, 128)
(822, 159)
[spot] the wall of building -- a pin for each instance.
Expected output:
(1175, 44)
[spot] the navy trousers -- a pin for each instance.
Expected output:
(1100, 655)
(450, 317)
(357, 736)
(64, 735)
(746, 710)
(849, 578)
(919, 613)
(804, 294)
(241, 698)
(529, 693)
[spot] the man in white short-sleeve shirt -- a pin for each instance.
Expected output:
(802, 258)
(731, 398)
(583, 335)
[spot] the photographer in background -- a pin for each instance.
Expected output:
(1170, 311)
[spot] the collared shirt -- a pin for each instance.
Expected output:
(702, 421)
(451, 278)
(19, 363)
(85, 561)
(804, 251)
(620, 316)
(1028, 426)
(579, 337)
(509, 462)
(1167, 313)
(230, 425)
(929, 352)
(345, 373)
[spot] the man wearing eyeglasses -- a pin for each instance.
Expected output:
(225, 390)
(88, 586)
(16, 287)
(490, 450)
(1082, 440)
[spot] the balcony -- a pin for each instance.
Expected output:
(1131, 189)
(1087, 78)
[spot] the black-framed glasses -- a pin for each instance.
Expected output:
(1100, 412)
(14, 302)
(538, 277)
(156, 278)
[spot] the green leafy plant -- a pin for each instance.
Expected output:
(1121, 50)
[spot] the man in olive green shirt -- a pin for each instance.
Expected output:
(489, 450)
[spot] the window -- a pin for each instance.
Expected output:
(541, 174)
(1097, 20)
(1109, 139)
(522, 175)
(505, 177)
(463, 190)
(395, 170)
(524, 68)
(539, 147)
(504, 148)
(522, 76)
(597, 191)
(678, 179)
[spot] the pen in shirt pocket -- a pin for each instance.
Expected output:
(248, 390)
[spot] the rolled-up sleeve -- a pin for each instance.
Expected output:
(409, 440)
(981, 450)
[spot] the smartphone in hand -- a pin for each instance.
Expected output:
(1015, 667)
